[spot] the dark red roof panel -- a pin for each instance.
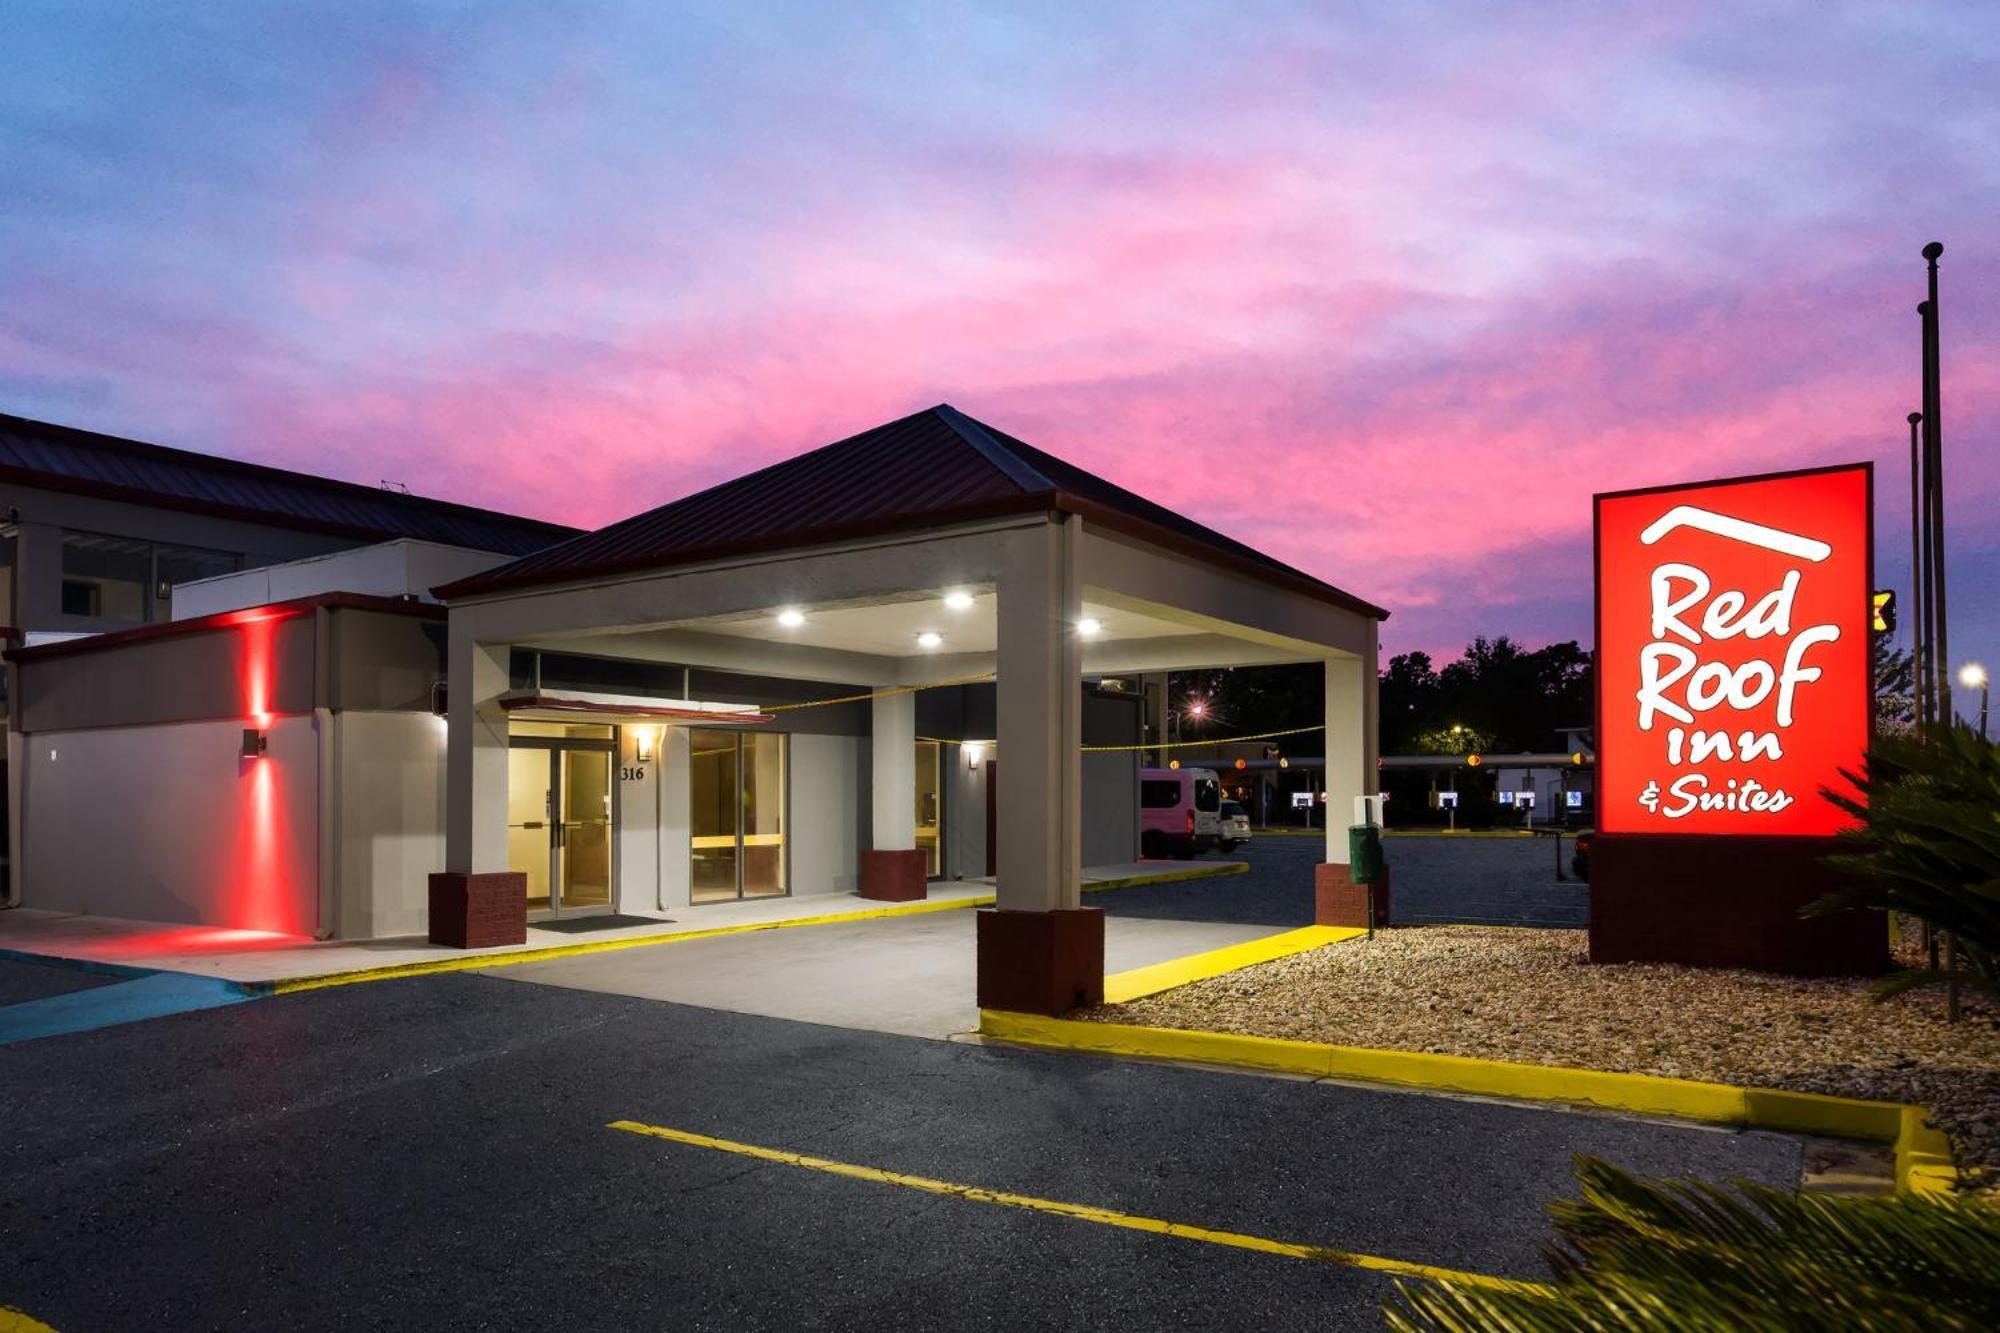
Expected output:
(38, 453)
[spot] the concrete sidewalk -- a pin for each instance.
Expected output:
(912, 976)
(259, 959)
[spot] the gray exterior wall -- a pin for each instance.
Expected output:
(40, 516)
(132, 797)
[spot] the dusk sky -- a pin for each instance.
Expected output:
(1388, 290)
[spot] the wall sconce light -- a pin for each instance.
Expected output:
(975, 754)
(646, 744)
(255, 743)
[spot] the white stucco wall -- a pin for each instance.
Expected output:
(965, 816)
(637, 859)
(390, 821)
(169, 823)
(827, 807)
(1110, 808)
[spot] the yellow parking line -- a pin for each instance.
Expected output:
(13, 1321)
(1081, 1212)
(1142, 981)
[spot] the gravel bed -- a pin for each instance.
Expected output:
(1530, 996)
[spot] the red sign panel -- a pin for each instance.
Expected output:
(1732, 653)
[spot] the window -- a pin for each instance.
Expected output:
(1207, 794)
(106, 578)
(1160, 793)
(930, 812)
(736, 815)
(120, 578)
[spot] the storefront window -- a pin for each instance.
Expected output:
(118, 578)
(106, 578)
(736, 815)
(930, 810)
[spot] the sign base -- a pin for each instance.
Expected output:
(1726, 902)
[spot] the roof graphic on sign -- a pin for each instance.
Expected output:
(1737, 529)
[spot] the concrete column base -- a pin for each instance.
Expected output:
(896, 876)
(1041, 962)
(1726, 902)
(1339, 901)
(479, 911)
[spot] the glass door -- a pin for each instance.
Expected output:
(713, 816)
(530, 806)
(930, 810)
(736, 816)
(560, 815)
(583, 842)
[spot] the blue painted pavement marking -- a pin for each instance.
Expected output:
(152, 996)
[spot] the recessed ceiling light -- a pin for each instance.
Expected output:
(791, 617)
(930, 638)
(958, 601)
(1089, 625)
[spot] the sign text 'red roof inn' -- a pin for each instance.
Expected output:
(1733, 655)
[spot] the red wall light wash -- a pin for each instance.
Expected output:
(260, 895)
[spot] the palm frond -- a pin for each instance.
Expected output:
(1635, 1254)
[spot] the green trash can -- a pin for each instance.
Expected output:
(1364, 853)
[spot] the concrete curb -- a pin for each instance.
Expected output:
(1121, 987)
(549, 953)
(1923, 1156)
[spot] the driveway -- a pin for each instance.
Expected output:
(436, 1154)
(911, 975)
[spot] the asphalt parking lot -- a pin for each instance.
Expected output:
(1436, 879)
(434, 1153)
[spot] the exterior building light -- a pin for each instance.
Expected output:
(1173, 763)
(791, 617)
(645, 744)
(958, 601)
(975, 754)
(930, 638)
(1089, 626)
(255, 743)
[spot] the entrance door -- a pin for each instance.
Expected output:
(559, 819)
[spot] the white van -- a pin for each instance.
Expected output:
(1179, 811)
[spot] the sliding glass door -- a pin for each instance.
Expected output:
(736, 816)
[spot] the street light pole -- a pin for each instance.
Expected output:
(1973, 676)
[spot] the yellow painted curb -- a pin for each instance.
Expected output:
(14, 1321)
(549, 953)
(1121, 987)
(1923, 1157)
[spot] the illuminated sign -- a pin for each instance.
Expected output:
(1733, 666)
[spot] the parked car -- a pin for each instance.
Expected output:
(1579, 859)
(1179, 811)
(1233, 826)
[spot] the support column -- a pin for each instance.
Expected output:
(1040, 950)
(893, 868)
(476, 901)
(1352, 771)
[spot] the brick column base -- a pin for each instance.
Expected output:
(479, 911)
(895, 876)
(1339, 901)
(1041, 962)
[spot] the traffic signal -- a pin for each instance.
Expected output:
(1885, 611)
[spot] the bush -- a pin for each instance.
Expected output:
(1645, 1255)
(1928, 846)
